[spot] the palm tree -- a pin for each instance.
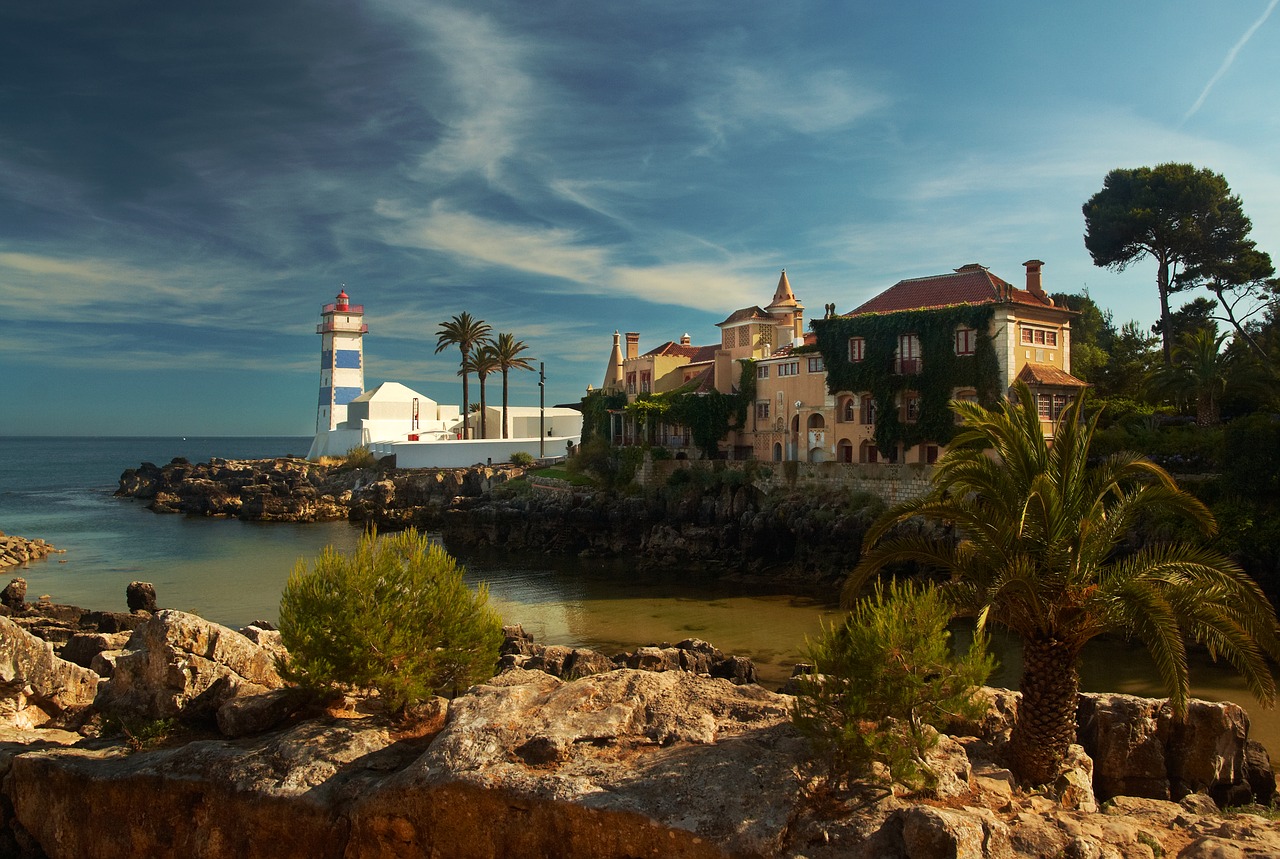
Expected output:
(483, 362)
(507, 350)
(1199, 373)
(1037, 551)
(467, 333)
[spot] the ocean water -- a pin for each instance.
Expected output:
(232, 572)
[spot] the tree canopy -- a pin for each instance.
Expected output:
(1187, 219)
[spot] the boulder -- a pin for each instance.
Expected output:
(141, 596)
(180, 665)
(36, 687)
(82, 647)
(14, 595)
(1139, 749)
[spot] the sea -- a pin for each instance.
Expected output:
(233, 572)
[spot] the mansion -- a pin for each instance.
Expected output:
(870, 385)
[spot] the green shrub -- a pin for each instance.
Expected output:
(359, 457)
(522, 458)
(883, 681)
(395, 616)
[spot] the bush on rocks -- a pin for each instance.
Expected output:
(882, 683)
(396, 616)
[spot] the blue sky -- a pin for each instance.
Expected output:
(182, 185)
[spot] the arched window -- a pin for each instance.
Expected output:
(816, 422)
(867, 452)
(844, 451)
(847, 410)
(777, 452)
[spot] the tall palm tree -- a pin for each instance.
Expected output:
(507, 350)
(483, 362)
(1037, 551)
(467, 333)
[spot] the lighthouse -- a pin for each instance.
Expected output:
(341, 329)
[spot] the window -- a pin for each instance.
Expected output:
(965, 397)
(728, 337)
(762, 372)
(910, 407)
(766, 335)
(1039, 336)
(791, 368)
(868, 410)
(931, 454)
(857, 348)
(646, 381)
(744, 335)
(762, 410)
(816, 365)
(1044, 405)
(908, 354)
(966, 339)
(631, 383)
(848, 410)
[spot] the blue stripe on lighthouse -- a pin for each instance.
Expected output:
(347, 359)
(326, 359)
(342, 396)
(326, 395)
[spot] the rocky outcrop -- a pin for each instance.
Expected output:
(15, 551)
(178, 665)
(693, 655)
(621, 764)
(294, 490)
(38, 689)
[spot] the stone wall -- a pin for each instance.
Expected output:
(891, 482)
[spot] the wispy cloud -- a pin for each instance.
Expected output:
(1231, 58)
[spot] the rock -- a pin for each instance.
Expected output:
(36, 687)
(180, 665)
(14, 595)
(925, 832)
(1211, 848)
(1258, 773)
(1074, 786)
(82, 647)
(246, 715)
(141, 596)
(1139, 750)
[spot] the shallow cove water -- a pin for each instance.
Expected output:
(232, 572)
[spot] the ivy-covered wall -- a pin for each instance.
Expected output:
(709, 416)
(941, 372)
(595, 413)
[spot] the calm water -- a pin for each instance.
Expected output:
(233, 572)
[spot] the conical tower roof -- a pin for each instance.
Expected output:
(783, 296)
(613, 372)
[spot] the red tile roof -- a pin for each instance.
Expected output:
(1043, 374)
(970, 284)
(744, 315)
(695, 354)
(810, 339)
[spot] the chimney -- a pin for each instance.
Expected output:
(1033, 279)
(633, 344)
(685, 340)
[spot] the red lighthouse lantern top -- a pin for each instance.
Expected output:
(343, 298)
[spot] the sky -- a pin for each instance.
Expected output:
(183, 185)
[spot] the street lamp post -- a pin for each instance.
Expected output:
(542, 412)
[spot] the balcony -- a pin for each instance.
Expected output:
(347, 327)
(352, 309)
(907, 366)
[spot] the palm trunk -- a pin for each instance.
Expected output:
(1046, 722)
(504, 402)
(466, 408)
(484, 430)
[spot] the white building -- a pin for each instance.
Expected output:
(394, 420)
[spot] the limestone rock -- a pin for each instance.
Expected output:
(36, 687)
(14, 595)
(141, 596)
(247, 715)
(180, 665)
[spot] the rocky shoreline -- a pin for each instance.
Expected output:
(184, 742)
(802, 537)
(15, 551)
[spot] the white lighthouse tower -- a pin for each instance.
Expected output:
(342, 329)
